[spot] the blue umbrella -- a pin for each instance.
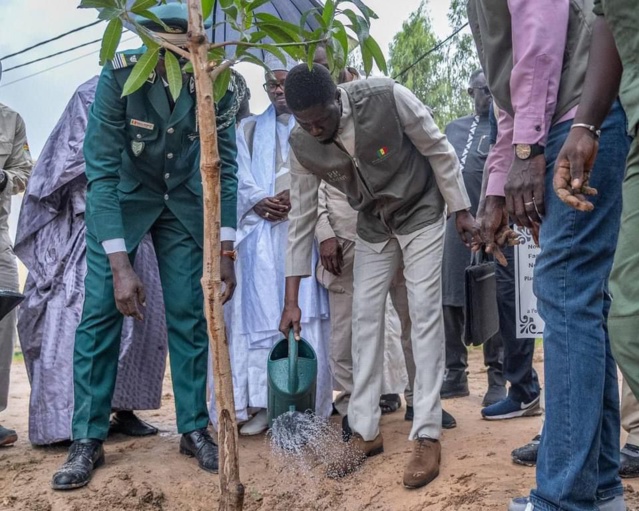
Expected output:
(286, 10)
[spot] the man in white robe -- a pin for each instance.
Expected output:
(253, 315)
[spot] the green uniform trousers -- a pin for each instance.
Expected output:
(623, 322)
(97, 341)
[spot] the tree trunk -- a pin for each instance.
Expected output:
(231, 488)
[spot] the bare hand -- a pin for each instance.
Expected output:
(271, 209)
(227, 273)
(467, 229)
(284, 199)
(571, 181)
(525, 191)
(129, 292)
(291, 318)
(331, 256)
(495, 230)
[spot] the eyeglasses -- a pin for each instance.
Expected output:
(484, 89)
(271, 86)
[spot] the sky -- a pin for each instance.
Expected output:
(40, 91)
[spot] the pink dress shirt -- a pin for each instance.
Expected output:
(539, 31)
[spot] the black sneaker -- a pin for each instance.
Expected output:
(629, 461)
(454, 388)
(527, 455)
(84, 457)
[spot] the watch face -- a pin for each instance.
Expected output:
(523, 151)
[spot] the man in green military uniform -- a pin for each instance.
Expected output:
(142, 156)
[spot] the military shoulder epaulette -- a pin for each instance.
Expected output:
(123, 60)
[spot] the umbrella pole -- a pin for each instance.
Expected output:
(231, 488)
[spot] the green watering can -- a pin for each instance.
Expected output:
(292, 377)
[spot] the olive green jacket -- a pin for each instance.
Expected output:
(142, 157)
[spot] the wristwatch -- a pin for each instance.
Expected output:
(527, 151)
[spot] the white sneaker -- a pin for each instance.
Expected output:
(256, 425)
(520, 504)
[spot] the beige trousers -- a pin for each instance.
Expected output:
(340, 296)
(373, 274)
(630, 414)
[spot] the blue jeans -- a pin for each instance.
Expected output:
(578, 458)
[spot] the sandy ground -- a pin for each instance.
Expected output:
(150, 474)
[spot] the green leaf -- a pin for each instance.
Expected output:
(366, 11)
(173, 74)
(221, 84)
(154, 18)
(141, 71)
(110, 40)
(371, 47)
(341, 37)
(224, 4)
(147, 40)
(248, 57)
(329, 13)
(216, 55)
(207, 8)
(255, 4)
(109, 13)
(97, 4)
(142, 5)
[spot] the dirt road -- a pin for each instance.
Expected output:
(150, 475)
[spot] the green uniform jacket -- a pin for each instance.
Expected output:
(141, 157)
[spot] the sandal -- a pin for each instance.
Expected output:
(390, 403)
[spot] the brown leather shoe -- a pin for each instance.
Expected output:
(423, 465)
(354, 455)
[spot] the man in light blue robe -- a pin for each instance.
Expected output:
(252, 316)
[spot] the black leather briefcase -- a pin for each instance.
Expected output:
(482, 317)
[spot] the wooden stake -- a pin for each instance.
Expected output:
(231, 488)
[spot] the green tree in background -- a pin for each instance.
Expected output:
(441, 78)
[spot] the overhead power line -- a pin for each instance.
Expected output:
(52, 55)
(58, 65)
(55, 54)
(50, 40)
(432, 50)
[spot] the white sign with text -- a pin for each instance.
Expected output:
(529, 323)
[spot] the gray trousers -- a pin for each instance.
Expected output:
(8, 280)
(340, 296)
(373, 274)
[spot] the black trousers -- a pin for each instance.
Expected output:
(516, 366)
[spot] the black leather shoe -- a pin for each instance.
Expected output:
(448, 421)
(410, 414)
(127, 423)
(629, 461)
(527, 454)
(199, 443)
(7, 436)
(347, 432)
(84, 456)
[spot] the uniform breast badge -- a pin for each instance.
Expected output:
(137, 147)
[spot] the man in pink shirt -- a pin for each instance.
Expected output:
(535, 56)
